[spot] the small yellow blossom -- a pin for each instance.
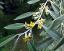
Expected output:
(39, 26)
(27, 38)
(30, 26)
(40, 23)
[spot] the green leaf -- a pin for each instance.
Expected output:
(4, 38)
(59, 44)
(1, 7)
(48, 22)
(53, 14)
(7, 41)
(32, 1)
(45, 43)
(15, 26)
(55, 8)
(55, 35)
(25, 15)
(31, 46)
(43, 34)
(2, 3)
(56, 22)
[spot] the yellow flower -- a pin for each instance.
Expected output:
(27, 38)
(39, 26)
(30, 26)
(40, 23)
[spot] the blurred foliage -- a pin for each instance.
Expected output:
(20, 20)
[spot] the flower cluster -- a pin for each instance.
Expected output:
(40, 23)
(27, 37)
(29, 26)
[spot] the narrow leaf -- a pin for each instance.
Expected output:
(53, 14)
(4, 38)
(30, 47)
(1, 7)
(59, 44)
(45, 43)
(33, 46)
(7, 41)
(55, 8)
(15, 26)
(32, 1)
(23, 15)
(51, 33)
(57, 21)
(2, 3)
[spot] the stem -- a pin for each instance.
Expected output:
(15, 44)
(19, 35)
